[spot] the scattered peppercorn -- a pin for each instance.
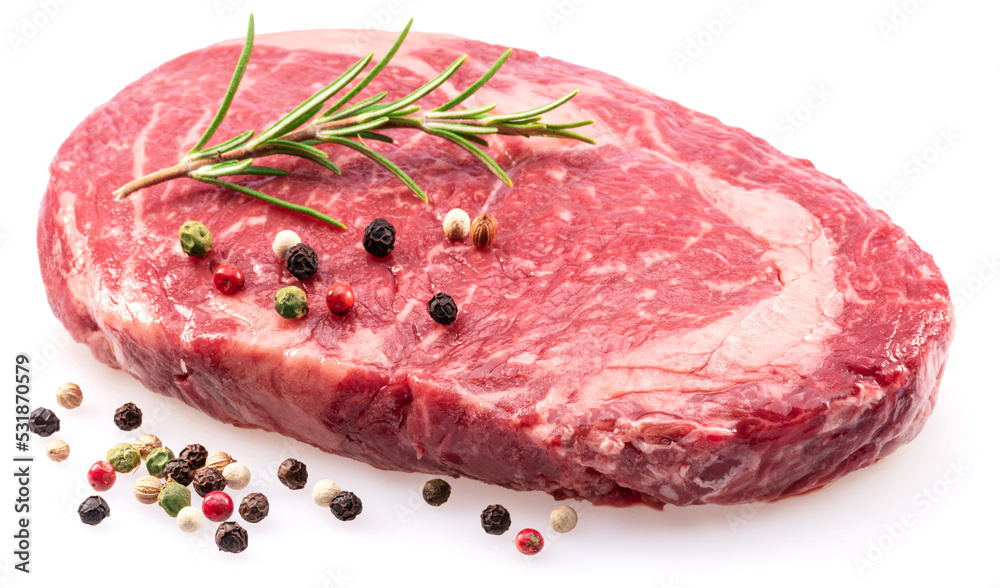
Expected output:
(254, 507)
(124, 458)
(219, 460)
(217, 506)
(57, 450)
(231, 537)
(290, 302)
(340, 298)
(179, 470)
(563, 519)
(147, 489)
(157, 460)
(293, 473)
(437, 492)
(196, 239)
(228, 279)
(101, 476)
(380, 237)
(43, 422)
(189, 519)
(483, 231)
(208, 480)
(495, 519)
(529, 541)
(284, 241)
(237, 476)
(301, 261)
(128, 417)
(69, 395)
(146, 443)
(196, 454)
(324, 491)
(173, 497)
(456, 224)
(93, 510)
(442, 308)
(346, 506)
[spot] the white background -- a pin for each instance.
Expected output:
(888, 78)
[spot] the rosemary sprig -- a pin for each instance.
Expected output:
(308, 124)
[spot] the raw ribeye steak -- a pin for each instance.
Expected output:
(679, 314)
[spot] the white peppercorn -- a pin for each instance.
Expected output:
(324, 491)
(284, 241)
(189, 519)
(456, 224)
(237, 476)
(563, 519)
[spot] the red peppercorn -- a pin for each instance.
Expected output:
(228, 278)
(340, 298)
(529, 541)
(217, 506)
(101, 476)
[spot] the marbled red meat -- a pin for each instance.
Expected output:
(679, 314)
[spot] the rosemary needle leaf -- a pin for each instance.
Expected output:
(376, 137)
(381, 160)
(353, 129)
(353, 109)
(313, 105)
(374, 72)
(261, 170)
(518, 116)
(234, 84)
(303, 150)
(571, 125)
(478, 83)
(275, 201)
(453, 114)
(460, 128)
(476, 152)
(417, 94)
(226, 168)
(221, 147)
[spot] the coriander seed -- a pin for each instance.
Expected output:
(293, 473)
(147, 489)
(237, 476)
(456, 224)
(190, 519)
(57, 450)
(324, 491)
(124, 458)
(436, 492)
(219, 460)
(254, 507)
(157, 460)
(173, 497)
(93, 510)
(69, 395)
(231, 537)
(128, 417)
(483, 231)
(563, 519)
(146, 443)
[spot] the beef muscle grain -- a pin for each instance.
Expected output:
(679, 314)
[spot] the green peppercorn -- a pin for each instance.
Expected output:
(196, 239)
(437, 492)
(124, 458)
(290, 302)
(173, 497)
(157, 461)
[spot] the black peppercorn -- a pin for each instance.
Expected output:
(208, 480)
(302, 261)
(346, 506)
(231, 537)
(196, 454)
(93, 510)
(128, 417)
(43, 422)
(179, 470)
(293, 474)
(495, 519)
(443, 308)
(254, 507)
(380, 237)
(437, 492)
